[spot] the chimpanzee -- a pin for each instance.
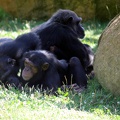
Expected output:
(43, 68)
(64, 30)
(89, 71)
(8, 71)
(14, 49)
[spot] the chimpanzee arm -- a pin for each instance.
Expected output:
(77, 49)
(62, 66)
(58, 52)
(76, 69)
(52, 79)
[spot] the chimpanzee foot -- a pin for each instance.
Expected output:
(77, 89)
(74, 87)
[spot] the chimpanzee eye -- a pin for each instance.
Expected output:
(34, 69)
(25, 63)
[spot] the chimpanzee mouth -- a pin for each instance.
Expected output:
(25, 77)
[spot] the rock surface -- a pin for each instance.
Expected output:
(107, 58)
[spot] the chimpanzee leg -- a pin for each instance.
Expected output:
(76, 69)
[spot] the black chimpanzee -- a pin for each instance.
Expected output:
(43, 68)
(89, 71)
(63, 30)
(14, 49)
(8, 71)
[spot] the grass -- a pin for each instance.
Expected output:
(30, 104)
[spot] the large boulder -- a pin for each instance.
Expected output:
(107, 58)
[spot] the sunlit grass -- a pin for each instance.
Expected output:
(93, 31)
(93, 104)
(30, 104)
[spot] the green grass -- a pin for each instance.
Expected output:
(30, 104)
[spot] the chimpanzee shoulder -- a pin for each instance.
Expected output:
(16, 48)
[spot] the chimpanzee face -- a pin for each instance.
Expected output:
(75, 24)
(29, 69)
(32, 66)
(70, 19)
(77, 27)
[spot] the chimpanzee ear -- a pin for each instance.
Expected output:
(70, 19)
(45, 66)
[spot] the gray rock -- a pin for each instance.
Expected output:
(107, 57)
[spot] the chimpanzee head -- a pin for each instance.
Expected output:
(34, 66)
(8, 71)
(6, 66)
(38, 69)
(69, 18)
(12, 80)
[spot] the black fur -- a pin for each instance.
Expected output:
(63, 30)
(8, 71)
(49, 78)
(54, 77)
(14, 49)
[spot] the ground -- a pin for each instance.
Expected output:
(30, 104)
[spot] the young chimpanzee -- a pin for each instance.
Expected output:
(43, 68)
(64, 30)
(14, 49)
